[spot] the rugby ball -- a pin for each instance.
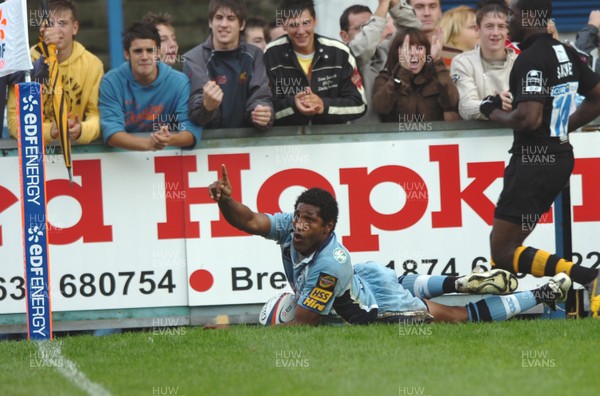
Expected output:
(279, 309)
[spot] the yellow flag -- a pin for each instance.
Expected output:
(58, 101)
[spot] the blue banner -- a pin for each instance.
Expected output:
(33, 208)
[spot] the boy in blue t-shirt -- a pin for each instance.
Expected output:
(145, 95)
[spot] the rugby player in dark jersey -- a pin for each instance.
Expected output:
(544, 82)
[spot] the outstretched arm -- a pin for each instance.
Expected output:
(365, 42)
(403, 15)
(527, 116)
(237, 214)
(587, 111)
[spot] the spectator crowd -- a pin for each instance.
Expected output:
(406, 61)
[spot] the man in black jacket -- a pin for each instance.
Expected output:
(314, 79)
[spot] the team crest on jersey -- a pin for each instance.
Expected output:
(339, 255)
(221, 80)
(243, 77)
(533, 81)
(455, 78)
(326, 281)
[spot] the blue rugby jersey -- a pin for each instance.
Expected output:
(326, 279)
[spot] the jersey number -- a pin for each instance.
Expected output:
(563, 106)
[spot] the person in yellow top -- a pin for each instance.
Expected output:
(80, 71)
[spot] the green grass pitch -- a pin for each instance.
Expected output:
(519, 357)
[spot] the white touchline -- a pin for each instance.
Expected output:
(52, 356)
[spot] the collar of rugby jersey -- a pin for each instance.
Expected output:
(531, 39)
(313, 255)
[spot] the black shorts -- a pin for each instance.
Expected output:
(531, 184)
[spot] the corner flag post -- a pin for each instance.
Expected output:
(14, 57)
(33, 208)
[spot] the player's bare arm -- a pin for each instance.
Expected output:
(303, 316)
(587, 111)
(236, 213)
(527, 116)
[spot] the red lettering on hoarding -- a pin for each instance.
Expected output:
(7, 199)
(176, 170)
(274, 186)
(363, 216)
(235, 163)
(589, 210)
(451, 196)
(484, 174)
(91, 225)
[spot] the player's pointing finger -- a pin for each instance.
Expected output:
(224, 174)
